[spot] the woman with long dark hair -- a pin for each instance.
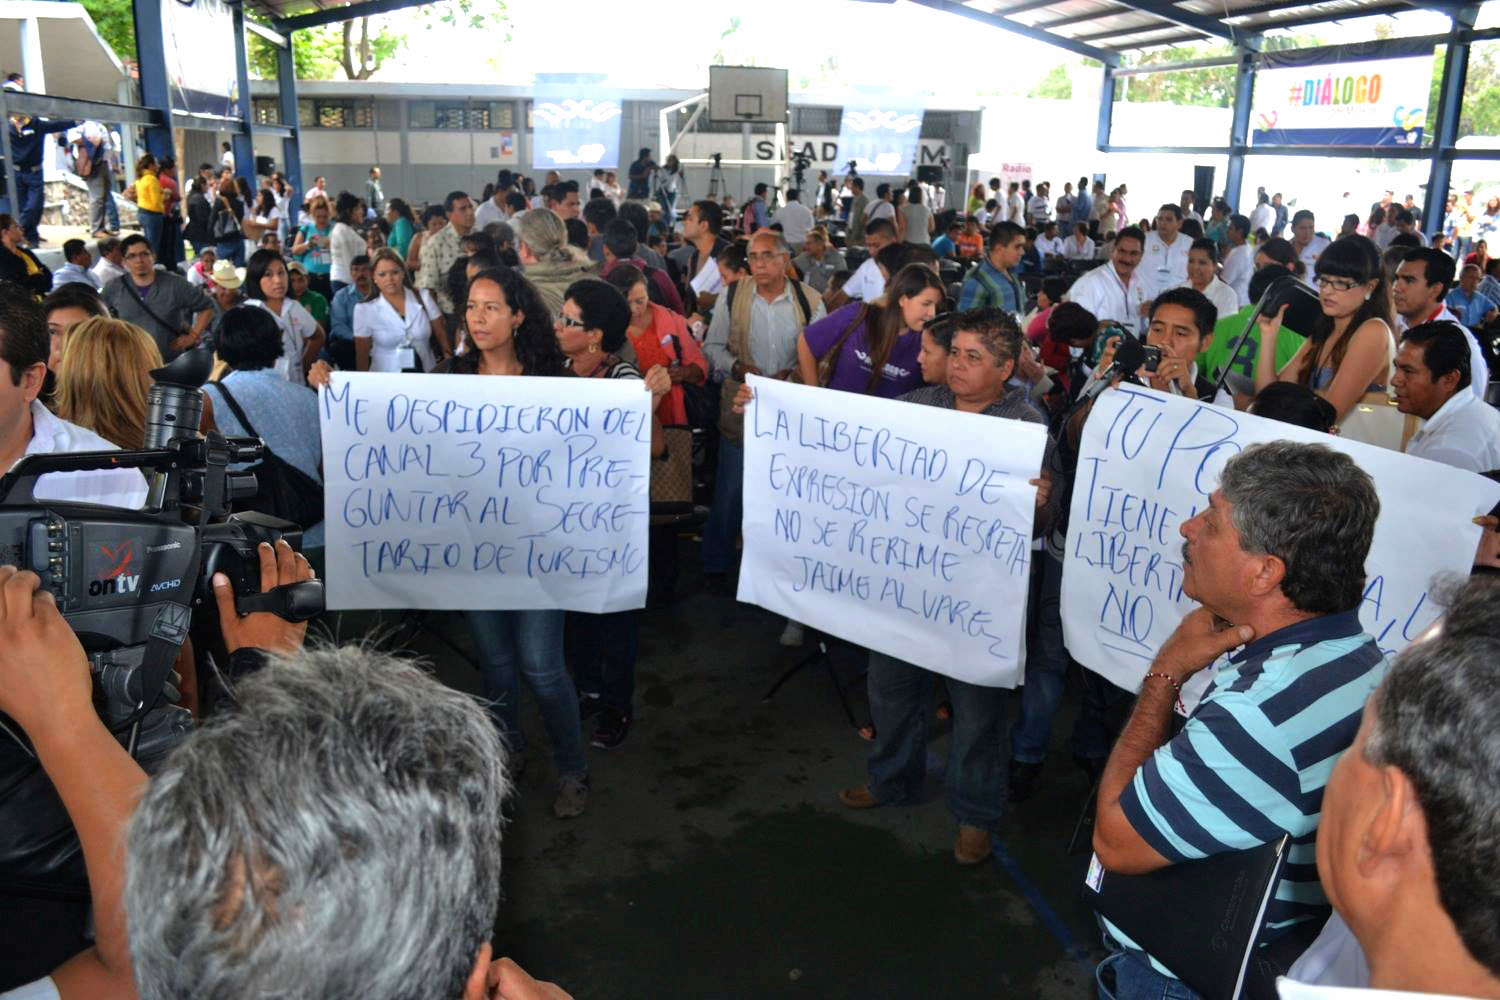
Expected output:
(345, 241)
(1279, 252)
(1349, 351)
(871, 348)
(268, 285)
(511, 333)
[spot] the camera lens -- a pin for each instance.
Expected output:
(172, 412)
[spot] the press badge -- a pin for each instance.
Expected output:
(406, 357)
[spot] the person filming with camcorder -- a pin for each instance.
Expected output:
(126, 546)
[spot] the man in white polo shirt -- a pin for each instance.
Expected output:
(1431, 379)
(1422, 282)
(1164, 260)
(1112, 291)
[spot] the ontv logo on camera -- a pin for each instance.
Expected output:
(115, 577)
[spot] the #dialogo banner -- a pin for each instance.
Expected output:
(575, 122)
(1366, 102)
(880, 130)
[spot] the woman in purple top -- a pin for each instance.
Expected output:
(876, 343)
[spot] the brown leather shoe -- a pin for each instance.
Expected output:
(972, 846)
(858, 797)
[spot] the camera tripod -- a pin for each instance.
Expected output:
(717, 185)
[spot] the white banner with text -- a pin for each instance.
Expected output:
(902, 528)
(453, 492)
(1149, 462)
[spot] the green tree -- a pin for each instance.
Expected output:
(116, 25)
(1057, 85)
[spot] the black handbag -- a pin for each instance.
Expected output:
(226, 226)
(282, 489)
(700, 401)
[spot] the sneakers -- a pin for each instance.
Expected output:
(792, 635)
(858, 797)
(611, 729)
(972, 846)
(572, 797)
(589, 705)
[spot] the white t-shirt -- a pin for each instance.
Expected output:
(297, 328)
(880, 209)
(1073, 250)
(1163, 265)
(1038, 209)
(344, 244)
(866, 282)
(107, 270)
(1262, 218)
(796, 222)
(1238, 269)
(390, 332)
(488, 212)
(1221, 295)
(1310, 254)
(52, 435)
(1055, 247)
(1017, 209)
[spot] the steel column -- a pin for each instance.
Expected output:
(286, 84)
(1106, 107)
(156, 90)
(1239, 129)
(1445, 133)
(241, 141)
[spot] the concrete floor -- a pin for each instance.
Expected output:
(715, 861)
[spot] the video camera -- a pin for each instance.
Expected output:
(128, 582)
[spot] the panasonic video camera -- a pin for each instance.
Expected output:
(128, 583)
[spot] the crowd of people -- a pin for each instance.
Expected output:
(1010, 305)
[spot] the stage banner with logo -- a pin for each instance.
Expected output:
(880, 130)
(575, 122)
(1364, 102)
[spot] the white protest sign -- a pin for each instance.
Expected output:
(900, 527)
(461, 492)
(1149, 461)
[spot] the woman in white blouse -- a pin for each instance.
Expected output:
(266, 286)
(395, 328)
(345, 242)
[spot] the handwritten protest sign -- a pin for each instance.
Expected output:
(458, 493)
(903, 528)
(1149, 461)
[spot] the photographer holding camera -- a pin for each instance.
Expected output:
(45, 688)
(1180, 327)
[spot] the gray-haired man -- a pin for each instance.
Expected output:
(335, 835)
(1409, 833)
(1277, 563)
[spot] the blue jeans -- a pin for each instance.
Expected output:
(1135, 979)
(33, 200)
(1046, 671)
(151, 223)
(232, 250)
(516, 644)
(604, 657)
(900, 697)
(728, 509)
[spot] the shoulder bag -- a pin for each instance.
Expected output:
(282, 489)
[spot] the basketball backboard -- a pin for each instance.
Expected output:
(747, 94)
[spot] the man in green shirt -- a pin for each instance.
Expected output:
(1227, 331)
(312, 301)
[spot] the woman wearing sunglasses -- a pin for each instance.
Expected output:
(1349, 351)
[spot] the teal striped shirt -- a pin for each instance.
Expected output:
(1251, 763)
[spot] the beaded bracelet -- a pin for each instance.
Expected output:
(1166, 677)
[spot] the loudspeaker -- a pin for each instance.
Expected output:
(265, 166)
(930, 173)
(1203, 189)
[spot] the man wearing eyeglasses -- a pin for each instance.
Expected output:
(162, 303)
(754, 332)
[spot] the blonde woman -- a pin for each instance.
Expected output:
(104, 377)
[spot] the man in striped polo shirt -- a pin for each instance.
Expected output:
(1277, 563)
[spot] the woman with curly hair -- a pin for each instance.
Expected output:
(510, 332)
